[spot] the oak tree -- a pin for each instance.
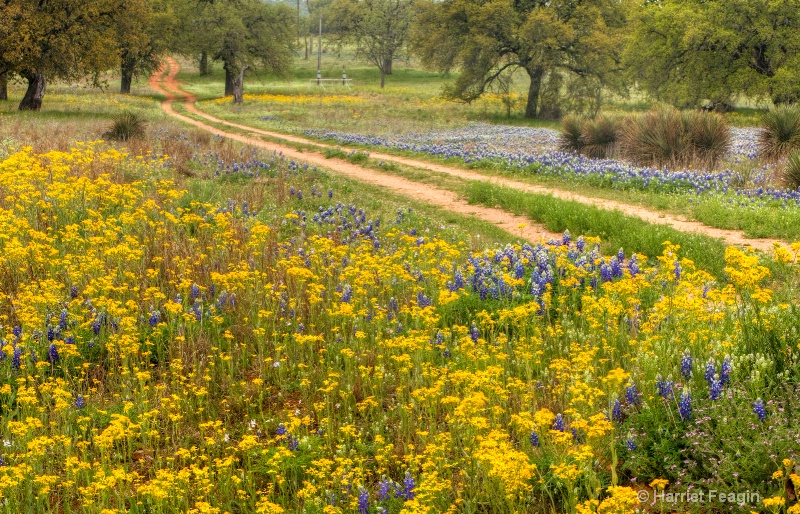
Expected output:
(554, 41)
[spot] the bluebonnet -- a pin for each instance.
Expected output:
(711, 371)
(423, 301)
(73, 292)
(686, 365)
(408, 488)
(79, 402)
(363, 501)
(534, 439)
(616, 410)
(473, 333)
(678, 270)
(685, 405)
(664, 387)
(632, 394)
(558, 424)
(281, 430)
(630, 443)
(155, 317)
(759, 410)
(384, 489)
(725, 373)
(715, 387)
(53, 353)
(194, 293)
(347, 294)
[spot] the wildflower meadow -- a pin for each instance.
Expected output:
(287, 350)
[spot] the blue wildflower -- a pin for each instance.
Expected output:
(616, 410)
(363, 501)
(686, 365)
(534, 439)
(715, 387)
(760, 411)
(474, 333)
(685, 405)
(632, 394)
(53, 353)
(558, 424)
(79, 402)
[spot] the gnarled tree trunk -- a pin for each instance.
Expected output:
(32, 101)
(238, 86)
(203, 63)
(126, 74)
(230, 77)
(535, 73)
(4, 85)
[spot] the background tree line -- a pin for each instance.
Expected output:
(574, 53)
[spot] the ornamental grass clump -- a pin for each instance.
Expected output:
(596, 138)
(126, 125)
(669, 137)
(791, 171)
(781, 132)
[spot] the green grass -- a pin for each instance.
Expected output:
(614, 228)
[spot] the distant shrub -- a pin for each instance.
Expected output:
(669, 137)
(126, 125)
(600, 137)
(709, 136)
(571, 139)
(781, 132)
(791, 171)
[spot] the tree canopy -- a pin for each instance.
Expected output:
(377, 28)
(242, 34)
(65, 39)
(552, 40)
(687, 51)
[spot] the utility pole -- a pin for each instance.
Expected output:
(319, 54)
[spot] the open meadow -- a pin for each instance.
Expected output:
(256, 315)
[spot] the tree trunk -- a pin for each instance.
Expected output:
(4, 85)
(305, 41)
(535, 73)
(203, 63)
(387, 65)
(238, 86)
(32, 101)
(383, 77)
(126, 76)
(230, 77)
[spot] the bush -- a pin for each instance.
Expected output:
(127, 125)
(781, 132)
(600, 137)
(668, 137)
(709, 135)
(791, 171)
(571, 139)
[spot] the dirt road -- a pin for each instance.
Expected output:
(517, 225)
(440, 197)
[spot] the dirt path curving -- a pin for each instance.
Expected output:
(448, 200)
(732, 237)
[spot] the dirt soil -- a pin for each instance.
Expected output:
(532, 231)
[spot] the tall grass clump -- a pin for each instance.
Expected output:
(781, 132)
(596, 138)
(601, 137)
(669, 137)
(571, 138)
(126, 125)
(791, 171)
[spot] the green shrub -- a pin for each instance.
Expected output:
(126, 125)
(571, 137)
(600, 137)
(791, 171)
(709, 135)
(669, 137)
(781, 132)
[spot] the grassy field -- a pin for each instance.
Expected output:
(190, 325)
